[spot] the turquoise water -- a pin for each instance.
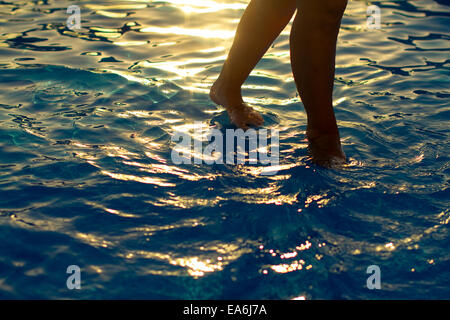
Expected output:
(86, 119)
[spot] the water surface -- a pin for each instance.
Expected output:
(86, 119)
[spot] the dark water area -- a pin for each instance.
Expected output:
(87, 179)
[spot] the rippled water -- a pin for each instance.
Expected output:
(86, 119)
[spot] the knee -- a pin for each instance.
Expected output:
(329, 8)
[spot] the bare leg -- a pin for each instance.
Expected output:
(313, 51)
(262, 22)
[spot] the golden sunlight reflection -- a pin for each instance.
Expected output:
(186, 202)
(257, 171)
(196, 267)
(111, 14)
(201, 33)
(127, 6)
(130, 43)
(149, 230)
(268, 195)
(162, 168)
(285, 268)
(209, 5)
(147, 180)
(93, 240)
(179, 68)
(216, 256)
(292, 265)
(116, 151)
(320, 200)
(110, 210)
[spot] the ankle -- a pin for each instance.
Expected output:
(220, 85)
(226, 94)
(320, 131)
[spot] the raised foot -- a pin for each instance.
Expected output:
(326, 151)
(241, 114)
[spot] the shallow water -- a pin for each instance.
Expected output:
(87, 179)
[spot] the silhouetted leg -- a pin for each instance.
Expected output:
(262, 22)
(313, 51)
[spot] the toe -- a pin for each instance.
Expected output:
(254, 117)
(243, 126)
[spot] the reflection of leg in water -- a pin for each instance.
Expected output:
(313, 49)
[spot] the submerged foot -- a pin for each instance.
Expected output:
(326, 150)
(241, 114)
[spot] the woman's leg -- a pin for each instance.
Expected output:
(262, 22)
(313, 52)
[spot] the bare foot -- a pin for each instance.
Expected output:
(241, 114)
(325, 149)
